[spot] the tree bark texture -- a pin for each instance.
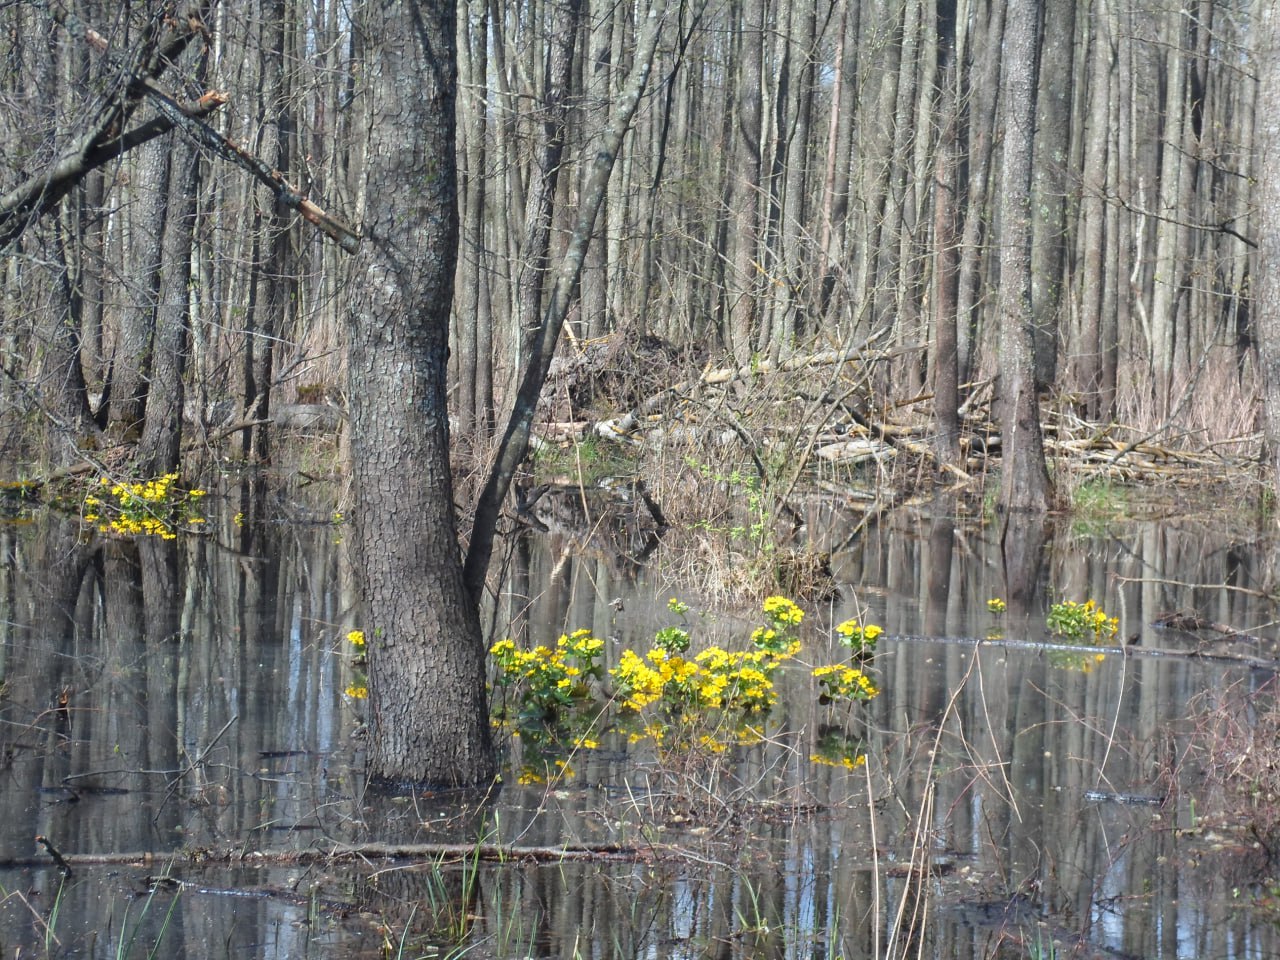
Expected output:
(1024, 481)
(1267, 175)
(428, 713)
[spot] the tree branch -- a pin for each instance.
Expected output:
(515, 441)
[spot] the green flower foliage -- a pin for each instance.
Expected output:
(1086, 624)
(560, 698)
(547, 680)
(1081, 622)
(153, 508)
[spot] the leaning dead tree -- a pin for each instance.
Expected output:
(137, 78)
(542, 340)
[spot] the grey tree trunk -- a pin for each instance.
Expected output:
(946, 258)
(1024, 481)
(1267, 204)
(131, 358)
(161, 442)
(1049, 182)
(428, 715)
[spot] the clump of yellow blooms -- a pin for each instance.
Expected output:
(783, 611)
(547, 680)
(845, 761)
(666, 695)
(358, 688)
(838, 682)
(715, 679)
(154, 508)
(1081, 622)
(859, 638)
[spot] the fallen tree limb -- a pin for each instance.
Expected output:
(424, 852)
(1033, 646)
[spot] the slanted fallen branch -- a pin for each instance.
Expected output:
(364, 852)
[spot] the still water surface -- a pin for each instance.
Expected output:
(182, 700)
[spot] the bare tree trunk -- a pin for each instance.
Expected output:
(744, 290)
(946, 260)
(1049, 183)
(515, 441)
(161, 442)
(474, 350)
(131, 357)
(428, 714)
(274, 282)
(1168, 232)
(1088, 358)
(1267, 203)
(977, 219)
(1024, 479)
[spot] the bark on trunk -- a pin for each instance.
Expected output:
(1024, 485)
(1267, 204)
(428, 715)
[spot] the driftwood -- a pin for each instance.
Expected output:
(1192, 623)
(701, 411)
(1131, 650)
(362, 852)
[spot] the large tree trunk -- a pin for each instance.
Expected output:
(1024, 485)
(131, 358)
(1050, 184)
(428, 715)
(946, 259)
(161, 442)
(1266, 177)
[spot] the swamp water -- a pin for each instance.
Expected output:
(168, 705)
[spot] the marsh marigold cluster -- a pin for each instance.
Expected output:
(546, 680)
(142, 508)
(1081, 622)
(705, 700)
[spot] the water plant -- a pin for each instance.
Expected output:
(859, 637)
(157, 507)
(557, 699)
(358, 688)
(1081, 622)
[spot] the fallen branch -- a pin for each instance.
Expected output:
(1126, 651)
(424, 852)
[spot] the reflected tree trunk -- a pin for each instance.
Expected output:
(1022, 551)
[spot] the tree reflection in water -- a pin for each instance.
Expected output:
(187, 699)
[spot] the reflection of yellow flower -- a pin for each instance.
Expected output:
(849, 763)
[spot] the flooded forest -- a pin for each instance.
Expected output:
(679, 478)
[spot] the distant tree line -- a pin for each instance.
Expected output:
(798, 172)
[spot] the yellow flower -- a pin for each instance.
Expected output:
(356, 638)
(783, 610)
